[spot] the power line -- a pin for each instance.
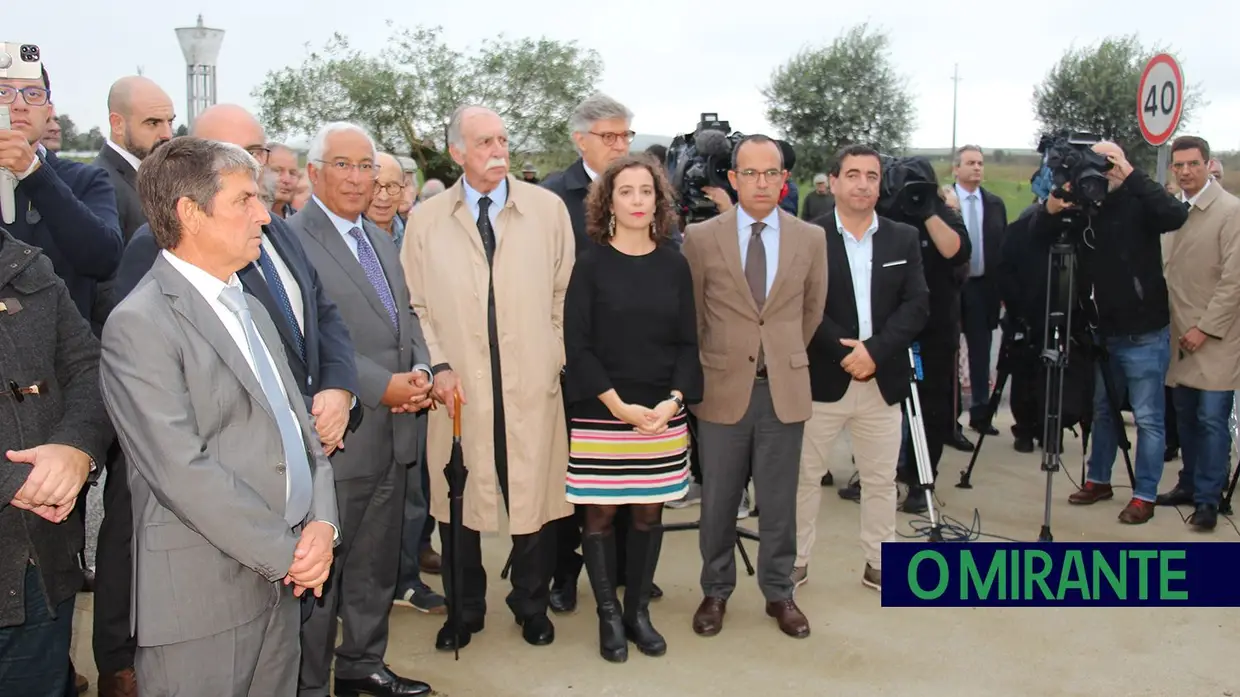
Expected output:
(955, 96)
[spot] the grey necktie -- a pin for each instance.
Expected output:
(298, 465)
(755, 274)
(977, 263)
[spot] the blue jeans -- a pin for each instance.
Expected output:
(1138, 367)
(1205, 441)
(34, 655)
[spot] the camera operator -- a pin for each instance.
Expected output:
(65, 208)
(1120, 260)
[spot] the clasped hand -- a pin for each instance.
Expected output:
(408, 392)
(858, 363)
(650, 422)
(330, 409)
(57, 475)
(312, 559)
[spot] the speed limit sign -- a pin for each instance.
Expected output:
(1160, 99)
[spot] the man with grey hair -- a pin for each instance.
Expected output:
(430, 188)
(360, 268)
(818, 202)
(601, 129)
(233, 496)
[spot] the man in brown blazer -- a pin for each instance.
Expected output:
(1203, 281)
(760, 285)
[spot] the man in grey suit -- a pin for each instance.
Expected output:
(360, 270)
(233, 499)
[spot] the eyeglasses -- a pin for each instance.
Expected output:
(343, 167)
(260, 153)
(392, 189)
(753, 174)
(34, 96)
(610, 139)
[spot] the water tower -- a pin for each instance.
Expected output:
(201, 46)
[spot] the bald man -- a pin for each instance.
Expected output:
(140, 116)
(315, 339)
(385, 204)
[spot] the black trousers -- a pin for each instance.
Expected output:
(937, 393)
(1171, 423)
(1025, 403)
(113, 644)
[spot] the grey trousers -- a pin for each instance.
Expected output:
(257, 659)
(361, 585)
(761, 445)
(415, 512)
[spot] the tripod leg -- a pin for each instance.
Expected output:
(992, 407)
(740, 547)
(1225, 504)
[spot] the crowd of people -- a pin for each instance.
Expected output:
(270, 375)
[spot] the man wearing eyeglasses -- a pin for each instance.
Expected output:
(361, 269)
(760, 287)
(65, 208)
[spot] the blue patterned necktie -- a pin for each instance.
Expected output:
(374, 272)
(281, 294)
(298, 465)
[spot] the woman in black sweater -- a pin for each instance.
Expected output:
(630, 334)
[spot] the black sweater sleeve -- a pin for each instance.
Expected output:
(688, 376)
(585, 376)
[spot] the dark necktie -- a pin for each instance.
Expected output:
(276, 285)
(755, 274)
(374, 273)
(1188, 205)
(485, 231)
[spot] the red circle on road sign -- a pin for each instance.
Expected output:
(1164, 133)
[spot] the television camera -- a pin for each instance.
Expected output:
(908, 189)
(1078, 174)
(700, 159)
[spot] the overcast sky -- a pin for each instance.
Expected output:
(668, 60)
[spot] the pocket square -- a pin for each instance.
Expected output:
(895, 263)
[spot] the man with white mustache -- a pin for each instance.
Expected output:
(488, 263)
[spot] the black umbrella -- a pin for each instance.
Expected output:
(456, 474)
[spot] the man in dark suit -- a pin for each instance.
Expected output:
(877, 302)
(316, 342)
(601, 130)
(361, 269)
(985, 216)
(140, 116)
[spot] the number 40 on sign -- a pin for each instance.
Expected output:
(1160, 99)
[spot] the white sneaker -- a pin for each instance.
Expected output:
(692, 497)
(742, 511)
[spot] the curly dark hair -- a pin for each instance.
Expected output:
(598, 203)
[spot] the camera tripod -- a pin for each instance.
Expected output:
(917, 434)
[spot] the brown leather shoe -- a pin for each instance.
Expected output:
(1092, 493)
(122, 684)
(790, 618)
(430, 561)
(708, 620)
(1137, 512)
(80, 683)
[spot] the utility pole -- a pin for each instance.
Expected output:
(955, 94)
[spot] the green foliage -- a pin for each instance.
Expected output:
(406, 95)
(73, 141)
(1094, 89)
(824, 98)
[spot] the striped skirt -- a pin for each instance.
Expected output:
(611, 464)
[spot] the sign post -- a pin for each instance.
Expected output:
(1160, 102)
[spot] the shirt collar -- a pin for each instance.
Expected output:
(342, 225)
(209, 286)
(963, 193)
(133, 161)
(744, 221)
(839, 226)
(1193, 200)
(499, 196)
(589, 172)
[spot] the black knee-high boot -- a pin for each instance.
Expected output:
(643, 557)
(599, 552)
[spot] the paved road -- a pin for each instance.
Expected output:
(94, 514)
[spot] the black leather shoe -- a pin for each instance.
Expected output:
(384, 683)
(1204, 518)
(1176, 497)
(1023, 444)
(960, 442)
(563, 598)
(915, 502)
(655, 591)
(444, 639)
(537, 630)
(982, 426)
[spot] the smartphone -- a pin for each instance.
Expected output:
(20, 61)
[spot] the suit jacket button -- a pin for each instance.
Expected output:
(761, 322)
(279, 469)
(751, 359)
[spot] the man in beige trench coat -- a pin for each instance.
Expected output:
(1202, 266)
(488, 264)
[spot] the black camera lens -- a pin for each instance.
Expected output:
(30, 53)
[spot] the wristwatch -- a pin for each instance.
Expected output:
(680, 404)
